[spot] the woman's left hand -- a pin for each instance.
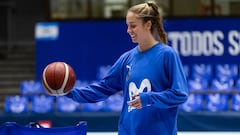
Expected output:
(136, 102)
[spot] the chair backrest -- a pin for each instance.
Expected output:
(202, 71)
(194, 103)
(198, 84)
(64, 104)
(236, 97)
(94, 107)
(219, 102)
(220, 84)
(227, 71)
(16, 104)
(29, 87)
(80, 83)
(42, 104)
(237, 85)
(115, 102)
(236, 102)
(13, 128)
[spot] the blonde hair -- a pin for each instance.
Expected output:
(149, 11)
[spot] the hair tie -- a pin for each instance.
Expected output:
(154, 7)
(149, 4)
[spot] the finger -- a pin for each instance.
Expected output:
(139, 106)
(135, 103)
(129, 103)
(138, 103)
(135, 95)
(132, 103)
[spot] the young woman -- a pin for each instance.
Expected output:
(150, 75)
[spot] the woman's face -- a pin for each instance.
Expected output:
(136, 29)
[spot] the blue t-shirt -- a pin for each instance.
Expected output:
(157, 76)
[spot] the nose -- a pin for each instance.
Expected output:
(128, 30)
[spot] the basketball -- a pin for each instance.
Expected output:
(58, 78)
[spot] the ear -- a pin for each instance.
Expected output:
(148, 24)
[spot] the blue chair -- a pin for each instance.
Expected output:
(198, 84)
(64, 104)
(81, 83)
(227, 71)
(42, 104)
(219, 102)
(195, 101)
(34, 128)
(204, 71)
(236, 97)
(115, 102)
(16, 104)
(31, 87)
(94, 107)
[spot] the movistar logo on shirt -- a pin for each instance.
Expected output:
(133, 89)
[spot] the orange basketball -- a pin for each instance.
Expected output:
(58, 78)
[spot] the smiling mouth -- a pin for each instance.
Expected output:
(133, 36)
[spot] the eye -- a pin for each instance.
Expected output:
(132, 26)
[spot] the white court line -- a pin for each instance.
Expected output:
(209, 133)
(180, 133)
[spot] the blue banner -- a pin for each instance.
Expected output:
(87, 45)
(205, 40)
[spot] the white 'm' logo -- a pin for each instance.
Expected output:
(134, 90)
